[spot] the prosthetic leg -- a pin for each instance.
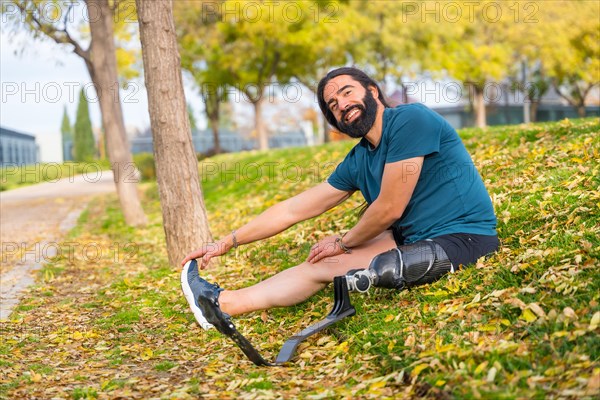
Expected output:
(399, 268)
(403, 267)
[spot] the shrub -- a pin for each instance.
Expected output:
(145, 164)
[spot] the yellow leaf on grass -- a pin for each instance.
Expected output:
(417, 370)
(595, 321)
(480, 368)
(488, 328)
(35, 377)
(528, 315)
(305, 354)
(147, 354)
(377, 385)
(391, 345)
(77, 335)
(388, 318)
(554, 371)
(343, 347)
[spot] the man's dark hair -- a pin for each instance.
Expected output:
(356, 74)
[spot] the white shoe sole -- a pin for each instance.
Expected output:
(189, 296)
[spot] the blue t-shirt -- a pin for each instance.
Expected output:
(449, 197)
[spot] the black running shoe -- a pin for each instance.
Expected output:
(203, 298)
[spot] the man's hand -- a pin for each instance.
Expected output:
(208, 251)
(327, 247)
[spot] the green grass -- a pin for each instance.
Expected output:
(84, 393)
(521, 324)
(164, 366)
(12, 177)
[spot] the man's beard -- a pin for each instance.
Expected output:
(364, 122)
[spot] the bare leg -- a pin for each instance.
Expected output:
(298, 283)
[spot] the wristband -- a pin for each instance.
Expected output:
(346, 250)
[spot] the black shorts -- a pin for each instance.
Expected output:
(461, 248)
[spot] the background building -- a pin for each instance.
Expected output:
(17, 148)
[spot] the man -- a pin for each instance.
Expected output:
(426, 202)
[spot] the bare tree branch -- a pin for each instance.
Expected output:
(60, 36)
(561, 94)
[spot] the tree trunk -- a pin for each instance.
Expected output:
(212, 106)
(263, 140)
(184, 215)
(534, 109)
(214, 125)
(576, 99)
(404, 92)
(326, 129)
(480, 121)
(103, 71)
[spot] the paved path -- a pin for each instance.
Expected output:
(34, 217)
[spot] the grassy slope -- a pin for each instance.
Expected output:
(13, 177)
(521, 324)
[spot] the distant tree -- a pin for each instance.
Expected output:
(572, 59)
(345, 23)
(569, 61)
(226, 116)
(184, 214)
(252, 49)
(66, 133)
(100, 57)
(533, 83)
(85, 144)
(201, 55)
(391, 41)
(473, 50)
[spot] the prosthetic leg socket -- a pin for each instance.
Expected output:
(403, 267)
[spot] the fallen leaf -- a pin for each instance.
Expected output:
(595, 321)
(528, 316)
(480, 368)
(569, 313)
(537, 309)
(417, 370)
(147, 354)
(35, 377)
(515, 302)
(391, 346)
